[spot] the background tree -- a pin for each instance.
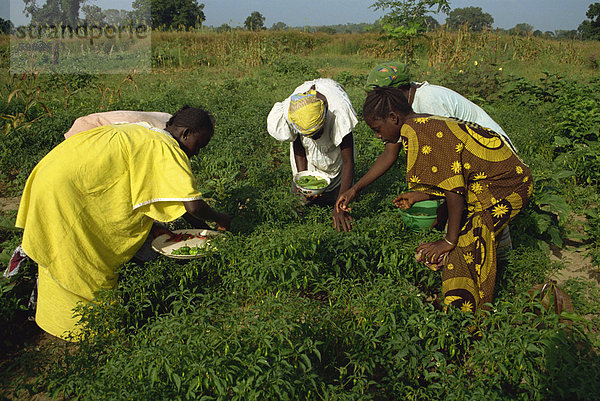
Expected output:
(169, 13)
(564, 34)
(94, 16)
(71, 10)
(326, 29)
(223, 28)
(279, 26)
(521, 29)
(431, 24)
(409, 13)
(255, 21)
(474, 17)
(115, 17)
(405, 20)
(141, 12)
(590, 29)
(54, 12)
(6, 26)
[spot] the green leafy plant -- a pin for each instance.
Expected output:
(405, 21)
(552, 297)
(550, 209)
(576, 117)
(109, 95)
(27, 92)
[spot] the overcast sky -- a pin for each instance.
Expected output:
(545, 15)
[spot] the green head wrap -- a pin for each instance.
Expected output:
(388, 74)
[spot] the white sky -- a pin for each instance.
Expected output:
(545, 15)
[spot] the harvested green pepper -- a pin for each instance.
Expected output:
(186, 250)
(311, 182)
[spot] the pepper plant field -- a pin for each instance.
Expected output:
(289, 308)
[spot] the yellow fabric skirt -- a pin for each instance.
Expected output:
(54, 311)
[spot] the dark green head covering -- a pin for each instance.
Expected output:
(388, 74)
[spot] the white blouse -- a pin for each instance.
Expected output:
(323, 154)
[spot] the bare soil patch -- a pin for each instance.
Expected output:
(7, 204)
(575, 254)
(577, 264)
(16, 369)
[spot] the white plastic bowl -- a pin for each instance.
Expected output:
(310, 192)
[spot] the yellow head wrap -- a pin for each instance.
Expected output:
(306, 113)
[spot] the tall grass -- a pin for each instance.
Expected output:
(445, 50)
(252, 49)
(238, 48)
(440, 50)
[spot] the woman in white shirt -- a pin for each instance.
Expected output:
(317, 120)
(426, 98)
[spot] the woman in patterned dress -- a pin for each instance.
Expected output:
(484, 183)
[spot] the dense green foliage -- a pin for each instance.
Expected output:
(170, 13)
(53, 12)
(289, 308)
(575, 135)
(5, 26)
(590, 28)
(406, 20)
(255, 21)
(474, 17)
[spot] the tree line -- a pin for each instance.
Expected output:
(156, 13)
(403, 18)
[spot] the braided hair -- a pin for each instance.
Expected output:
(194, 118)
(383, 100)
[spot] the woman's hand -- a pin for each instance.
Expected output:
(342, 220)
(404, 201)
(158, 230)
(407, 199)
(341, 205)
(433, 254)
(200, 210)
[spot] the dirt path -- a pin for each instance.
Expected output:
(575, 255)
(7, 204)
(37, 343)
(577, 264)
(36, 339)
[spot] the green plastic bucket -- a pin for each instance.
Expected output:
(421, 215)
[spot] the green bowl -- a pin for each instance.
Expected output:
(421, 215)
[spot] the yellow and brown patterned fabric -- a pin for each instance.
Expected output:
(306, 113)
(446, 154)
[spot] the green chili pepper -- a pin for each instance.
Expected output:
(186, 250)
(311, 182)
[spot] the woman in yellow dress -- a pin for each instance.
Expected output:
(90, 203)
(484, 183)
